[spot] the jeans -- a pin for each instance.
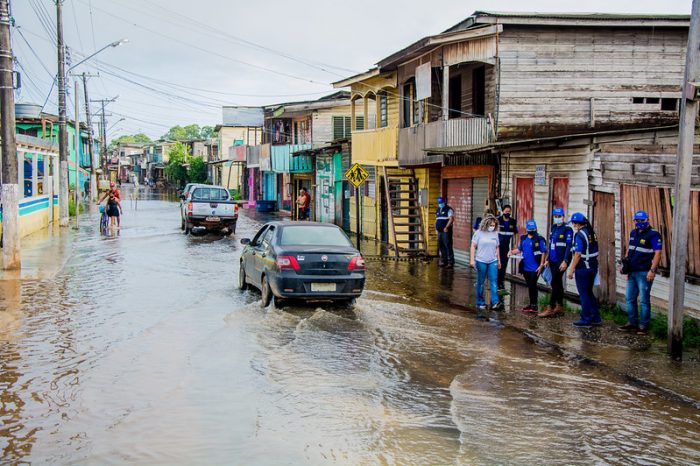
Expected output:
(590, 313)
(503, 249)
(447, 255)
(637, 285)
(483, 271)
(531, 280)
(557, 284)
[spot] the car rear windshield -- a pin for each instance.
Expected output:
(209, 194)
(313, 236)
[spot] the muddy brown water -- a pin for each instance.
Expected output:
(142, 351)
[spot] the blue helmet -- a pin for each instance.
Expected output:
(441, 200)
(531, 225)
(641, 215)
(558, 211)
(578, 217)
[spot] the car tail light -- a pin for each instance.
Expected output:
(287, 262)
(356, 263)
(189, 209)
(235, 208)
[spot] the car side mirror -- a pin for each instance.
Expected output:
(245, 240)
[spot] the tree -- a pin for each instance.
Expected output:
(175, 169)
(197, 171)
(207, 132)
(176, 133)
(139, 138)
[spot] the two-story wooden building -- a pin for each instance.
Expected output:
(290, 131)
(520, 108)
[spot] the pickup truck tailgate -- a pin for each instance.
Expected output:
(221, 209)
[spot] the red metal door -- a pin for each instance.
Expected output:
(524, 193)
(459, 197)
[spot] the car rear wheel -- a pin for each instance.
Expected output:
(266, 292)
(242, 282)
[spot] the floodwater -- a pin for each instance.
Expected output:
(142, 351)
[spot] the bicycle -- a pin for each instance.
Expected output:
(104, 220)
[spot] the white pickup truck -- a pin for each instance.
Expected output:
(210, 207)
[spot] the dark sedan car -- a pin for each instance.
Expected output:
(305, 260)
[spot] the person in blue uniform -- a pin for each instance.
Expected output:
(507, 229)
(644, 255)
(444, 219)
(534, 250)
(584, 266)
(561, 237)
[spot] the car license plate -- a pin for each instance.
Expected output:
(213, 219)
(323, 287)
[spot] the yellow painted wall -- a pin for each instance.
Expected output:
(430, 179)
(370, 217)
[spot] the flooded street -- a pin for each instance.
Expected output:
(141, 350)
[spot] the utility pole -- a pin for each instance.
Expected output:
(103, 130)
(62, 133)
(10, 187)
(91, 144)
(684, 163)
(76, 144)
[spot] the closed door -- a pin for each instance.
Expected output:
(524, 193)
(480, 195)
(604, 226)
(459, 197)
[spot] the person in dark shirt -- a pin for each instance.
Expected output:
(507, 229)
(643, 255)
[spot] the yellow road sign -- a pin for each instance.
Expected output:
(357, 175)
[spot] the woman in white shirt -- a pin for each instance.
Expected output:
(485, 259)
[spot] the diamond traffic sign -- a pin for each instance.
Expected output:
(357, 175)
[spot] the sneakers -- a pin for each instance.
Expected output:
(643, 330)
(597, 323)
(450, 266)
(530, 309)
(628, 327)
(582, 324)
(498, 306)
(481, 307)
(441, 264)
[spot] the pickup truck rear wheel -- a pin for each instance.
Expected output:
(266, 292)
(242, 282)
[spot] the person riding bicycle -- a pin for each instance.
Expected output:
(113, 192)
(114, 208)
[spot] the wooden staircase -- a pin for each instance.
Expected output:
(406, 220)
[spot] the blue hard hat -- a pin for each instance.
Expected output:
(441, 200)
(578, 217)
(531, 225)
(558, 211)
(641, 215)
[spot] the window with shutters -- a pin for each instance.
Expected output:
(371, 182)
(383, 110)
(342, 126)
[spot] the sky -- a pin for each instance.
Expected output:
(184, 60)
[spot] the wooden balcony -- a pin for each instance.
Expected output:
(441, 134)
(375, 146)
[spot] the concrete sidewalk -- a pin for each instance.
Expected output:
(43, 254)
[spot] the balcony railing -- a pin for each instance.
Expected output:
(375, 146)
(441, 134)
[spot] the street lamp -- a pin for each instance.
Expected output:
(116, 43)
(62, 123)
(115, 124)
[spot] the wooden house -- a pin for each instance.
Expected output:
(290, 130)
(503, 77)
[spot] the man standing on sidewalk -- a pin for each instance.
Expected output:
(644, 255)
(444, 219)
(508, 228)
